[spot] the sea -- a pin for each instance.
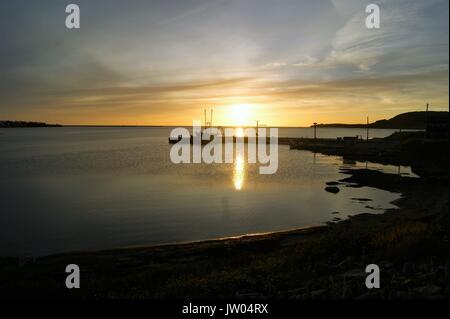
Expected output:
(69, 189)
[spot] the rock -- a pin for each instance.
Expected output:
(335, 213)
(374, 208)
(333, 183)
(354, 185)
(362, 199)
(332, 189)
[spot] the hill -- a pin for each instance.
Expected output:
(410, 120)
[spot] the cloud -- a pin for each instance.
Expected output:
(306, 61)
(407, 28)
(155, 57)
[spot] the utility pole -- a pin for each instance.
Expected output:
(257, 125)
(426, 121)
(367, 129)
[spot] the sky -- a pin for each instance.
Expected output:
(282, 62)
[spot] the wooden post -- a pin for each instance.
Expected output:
(257, 125)
(315, 130)
(205, 118)
(367, 131)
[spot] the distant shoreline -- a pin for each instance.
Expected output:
(172, 126)
(404, 121)
(23, 124)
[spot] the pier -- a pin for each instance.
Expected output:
(233, 139)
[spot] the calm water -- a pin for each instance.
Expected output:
(66, 189)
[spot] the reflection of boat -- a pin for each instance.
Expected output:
(189, 140)
(176, 139)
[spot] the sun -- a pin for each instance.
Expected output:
(239, 132)
(240, 114)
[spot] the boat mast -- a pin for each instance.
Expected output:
(210, 123)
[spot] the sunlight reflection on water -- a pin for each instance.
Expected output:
(239, 172)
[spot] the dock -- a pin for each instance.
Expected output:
(350, 147)
(234, 139)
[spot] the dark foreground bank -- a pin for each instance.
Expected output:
(409, 244)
